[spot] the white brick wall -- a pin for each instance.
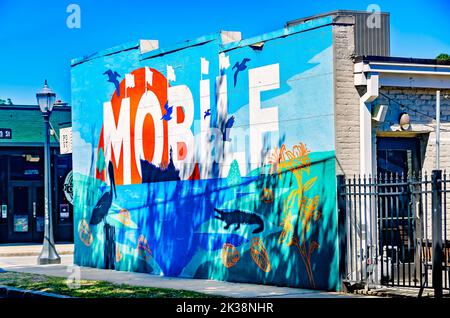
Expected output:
(423, 101)
(346, 102)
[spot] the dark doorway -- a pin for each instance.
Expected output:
(398, 160)
(26, 212)
(398, 156)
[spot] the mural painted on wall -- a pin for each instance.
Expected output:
(209, 162)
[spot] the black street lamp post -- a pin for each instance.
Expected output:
(46, 99)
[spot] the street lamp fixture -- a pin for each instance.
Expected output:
(46, 99)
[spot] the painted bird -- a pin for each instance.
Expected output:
(239, 67)
(207, 113)
(168, 115)
(104, 203)
(112, 78)
(228, 125)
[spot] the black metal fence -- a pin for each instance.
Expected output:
(395, 230)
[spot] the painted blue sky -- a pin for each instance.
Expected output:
(35, 42)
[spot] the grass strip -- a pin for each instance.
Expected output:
(91, 288)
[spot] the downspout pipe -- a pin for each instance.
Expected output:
(369, 222)
(365, 124)
(438, 129)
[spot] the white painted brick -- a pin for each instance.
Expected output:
(346, 103)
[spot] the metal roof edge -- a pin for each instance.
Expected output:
(181, 45)
(113, 50)
(286, 31)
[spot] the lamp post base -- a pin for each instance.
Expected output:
(49, 261)
(48, 256)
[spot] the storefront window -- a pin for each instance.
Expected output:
(26, 167)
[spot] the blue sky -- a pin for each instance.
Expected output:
(35, 42)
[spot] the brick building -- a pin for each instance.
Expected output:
(385, 125)
(367, 77)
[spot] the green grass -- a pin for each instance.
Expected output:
(91, 288)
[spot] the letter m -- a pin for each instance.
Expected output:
(116, 138)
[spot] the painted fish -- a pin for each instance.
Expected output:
(259, 254)
(230, 255)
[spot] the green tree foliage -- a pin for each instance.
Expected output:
(6, 102)
(443, 57)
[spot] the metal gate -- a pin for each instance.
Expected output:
(395, 230)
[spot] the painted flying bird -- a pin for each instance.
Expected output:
(207, 113)
(239, 67)
(228, 125)
(168, 115)
(104, 203)
(112, 78)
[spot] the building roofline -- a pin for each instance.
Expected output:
(403, 60)
(329, 13)
(105, 52)
(317, 22)
(33, 107)
(279, 33)
(181, 45)
(4, 143)
(401, 72)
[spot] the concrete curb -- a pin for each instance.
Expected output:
(18, 254)
(377, 293)
(11, 292)
(397, 293)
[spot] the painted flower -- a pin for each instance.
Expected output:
(288, 228)
(275, 158)
(309, 212)
(306, 254)
(298, 157)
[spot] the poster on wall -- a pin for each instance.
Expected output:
(4, 211)
(40, 224)
(65, 140)
(64, 211)
(20, 223)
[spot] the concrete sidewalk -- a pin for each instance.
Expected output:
(21, 249)
(27, 264)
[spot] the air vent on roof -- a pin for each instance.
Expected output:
(370, 38)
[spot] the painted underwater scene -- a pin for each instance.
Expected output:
(273, 226)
